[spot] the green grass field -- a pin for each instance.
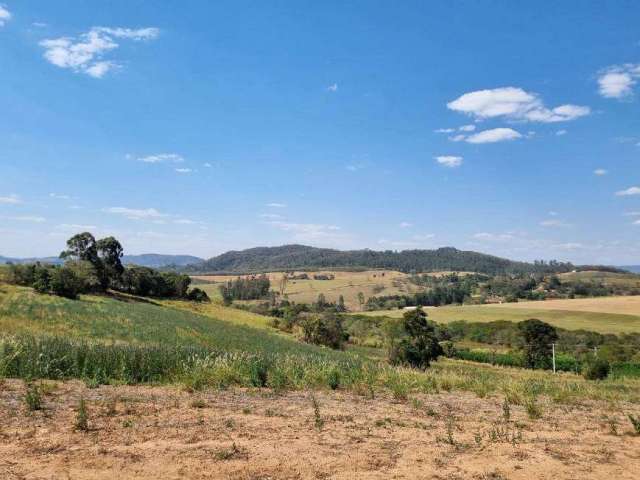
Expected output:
(568, 319)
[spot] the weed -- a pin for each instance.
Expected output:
(33, 397)
(417, 404)
(506, 410)
(318, 420)
(246, 410)
(635, 422)
(111, 407)
(198, 402)
(128, 423)
(229, 423)
(534, 411)
(82, 416)
(229, 453)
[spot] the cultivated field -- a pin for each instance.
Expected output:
(560, 313)
(167, 433)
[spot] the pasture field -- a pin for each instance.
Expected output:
(602, 322)
(606, 278)
(347, 284)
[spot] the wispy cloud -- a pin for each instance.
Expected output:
(76, 227)
(59, 196)
(276, 205)
(311, 232)
(183, 170)
(561, 132)
(600, 172)
(515, 104)
(618, 81)
(494, 135)
(449, 161)
(406, 225)
(27, 218)
(5, 15)
(271, 216)
(333, 87)
(162, 158)
(554, 223)
(629, 191)
(10, 199)
(136, 213)
(493, 237)
(85, 53)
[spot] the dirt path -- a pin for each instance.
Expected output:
(165, 433)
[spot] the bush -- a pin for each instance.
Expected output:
(596, 369)
(198, 295)
(325, 329)
(65, 283)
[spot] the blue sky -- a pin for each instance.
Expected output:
(198, 127)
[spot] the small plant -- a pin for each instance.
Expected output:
(33, 397)
(417, 404)
(400, 390)
(635, 421)
(246, 410)
(334, 379)
(198, 403)
(534, 411)
(82, 416)
(229, 453)
(506, 411)
(230, 423)
(128, 423)
(111, 407)
(477, 437)
(318, 420)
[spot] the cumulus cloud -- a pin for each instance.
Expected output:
(618, 81)
(85, 53)
(135, 213)
(10, 199)
(494, 135)
(162, 158)
(629, 191)
(515, 104)
(449, 161)
(5, 15)
(600, 172)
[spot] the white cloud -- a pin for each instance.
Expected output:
(135, 213)
(10, 199)
(333, 87)
(618, 81)
(559, 133)
(629, 191)
(276, 205)
(271, 216)
(554, 223)
(207, 165)
(449, 161)
(184, 221)
(445, 130)
(311, 232)
(637, 222)
(354, 167)
(183, 170)
(76, 227)
(161, 158)
(39, 24)
(553, 214)
(569, 246)
(632, 214)
(467, 128)
(406, 225)
(5, 15)
(85, 53)
(494, 135)
(600, 172)
(513, 103)
(458, 138)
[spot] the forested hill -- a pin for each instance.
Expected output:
(298, 257)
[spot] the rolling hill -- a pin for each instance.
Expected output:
(298, 257)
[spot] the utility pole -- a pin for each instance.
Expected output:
(553, 352)
(595, 351)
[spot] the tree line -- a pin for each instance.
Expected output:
(95, 266)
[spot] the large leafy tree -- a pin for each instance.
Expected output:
(82, 246)
(418, 342)
(110, 253)
(537, 337)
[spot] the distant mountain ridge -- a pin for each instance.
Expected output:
(631, 268)
(153, 260)
(292, 257)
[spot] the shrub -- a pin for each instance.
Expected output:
(65, 283)
(537, 337)
(325, 329)
(82, 417)
(596, 369)
(198, 295)
(33, 398)
(635, 422)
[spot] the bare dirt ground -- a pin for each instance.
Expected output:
(166, 433)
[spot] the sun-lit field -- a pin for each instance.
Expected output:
(606, 278)
(347, 284)
(597, 321)
(629, 305)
